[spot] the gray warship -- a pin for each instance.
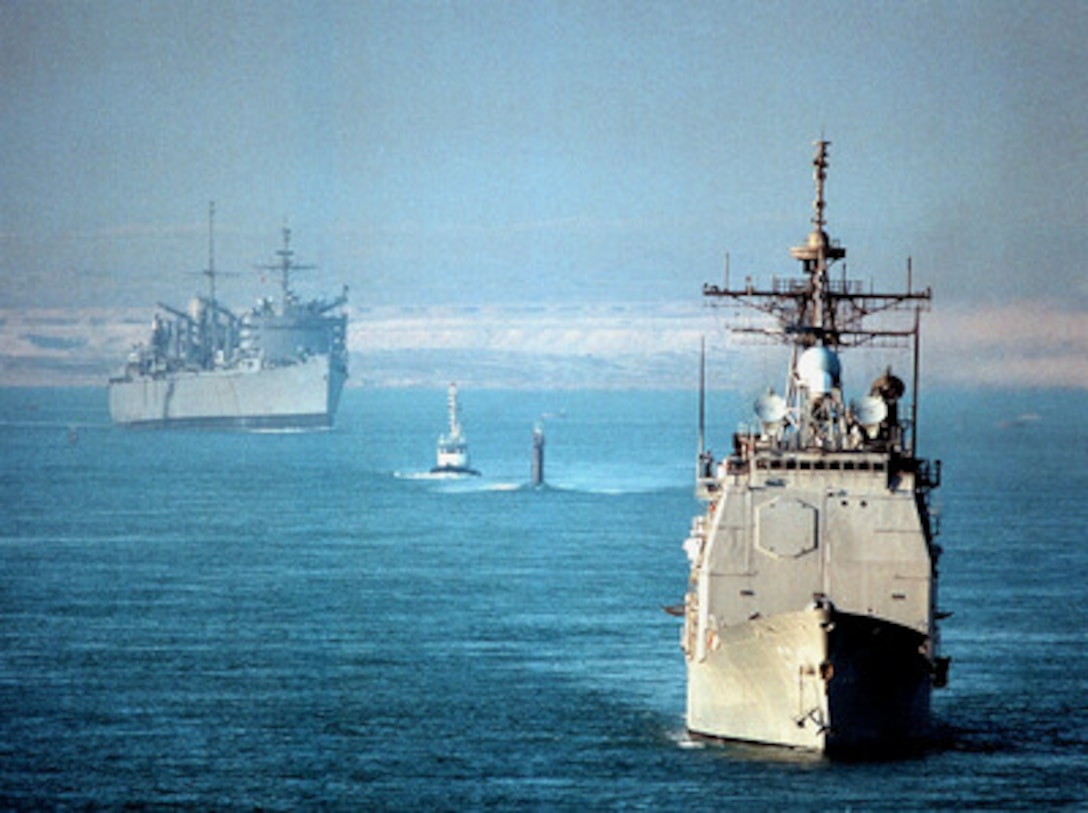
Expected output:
(811, 618)
(270, 368)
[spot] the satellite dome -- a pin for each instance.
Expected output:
(819, 370)
(770, 407)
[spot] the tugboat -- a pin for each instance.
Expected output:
(811, 616)
(453, 446)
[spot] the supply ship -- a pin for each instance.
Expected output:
(811, 616)
(452, 455)
(271, 368)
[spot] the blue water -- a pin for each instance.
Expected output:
(285, 621)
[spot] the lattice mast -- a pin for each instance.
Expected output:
(285, 266)
(816, 310)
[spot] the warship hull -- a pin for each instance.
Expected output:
(814, 679)
(304, 395)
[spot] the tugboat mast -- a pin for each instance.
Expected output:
(451, 403)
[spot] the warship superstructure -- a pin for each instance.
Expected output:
(452, 454)
(811, 616)
(272, 367)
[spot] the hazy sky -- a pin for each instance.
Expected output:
(512, 152)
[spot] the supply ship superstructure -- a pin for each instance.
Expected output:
(811, 616)
(272, 367)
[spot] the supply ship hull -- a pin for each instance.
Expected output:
(268, 368)
(297, 396)
(811, 618)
